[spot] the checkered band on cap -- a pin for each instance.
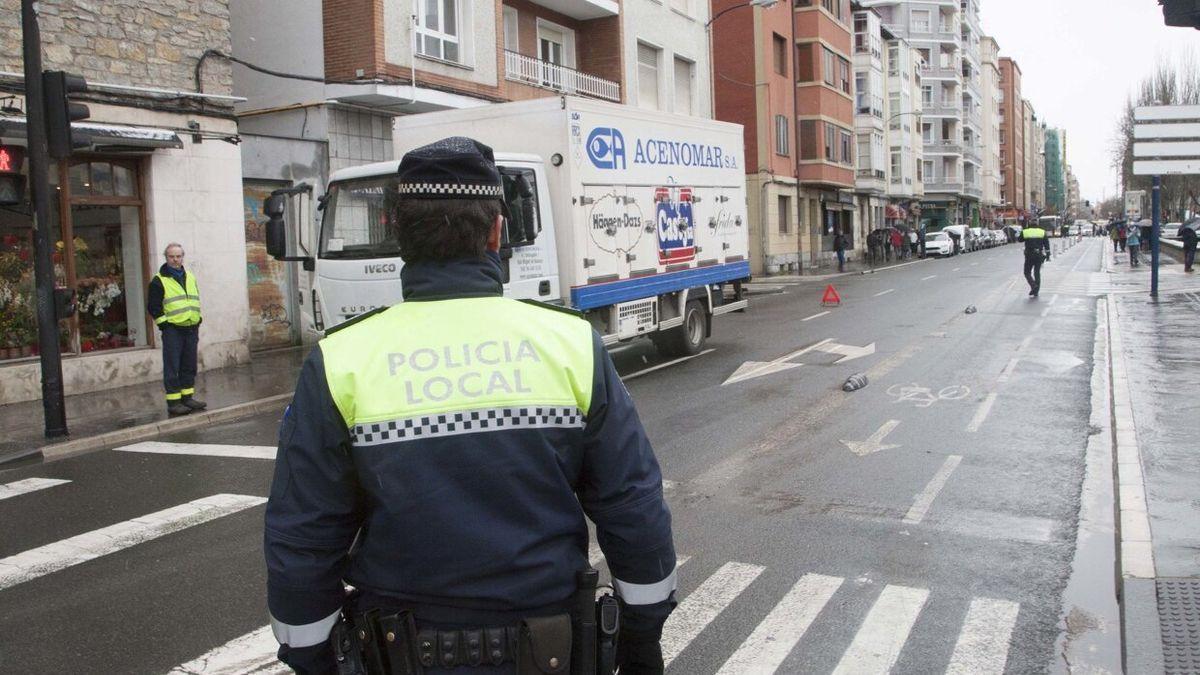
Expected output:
(451, 190)
(466, 422)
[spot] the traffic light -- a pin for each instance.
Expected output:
(60, 112)
(1181, 13)
(12, 183)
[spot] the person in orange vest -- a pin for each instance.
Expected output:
(174, 302)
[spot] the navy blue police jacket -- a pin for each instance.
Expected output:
(493, 519)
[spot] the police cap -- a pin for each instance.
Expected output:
(452, 168)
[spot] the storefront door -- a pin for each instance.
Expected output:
(270, 283)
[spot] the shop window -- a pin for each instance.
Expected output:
(97, 252)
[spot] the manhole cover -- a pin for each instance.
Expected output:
(1179, 618)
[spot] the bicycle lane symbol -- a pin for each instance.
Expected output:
(924, 397)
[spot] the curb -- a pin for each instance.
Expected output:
(148, 431)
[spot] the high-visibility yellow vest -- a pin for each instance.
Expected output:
(181, 306)
(435, 368)
(1033, 233)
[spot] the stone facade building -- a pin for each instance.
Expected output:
(161, 165)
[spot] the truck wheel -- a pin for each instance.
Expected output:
(687, 339)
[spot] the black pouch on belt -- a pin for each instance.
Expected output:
(545, 645)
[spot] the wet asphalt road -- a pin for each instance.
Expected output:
(959, 520)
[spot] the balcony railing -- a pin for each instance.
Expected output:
(939, 72)
(944, 146)
(943, 184)
(554, 77)
(972, 190)
(941, 108)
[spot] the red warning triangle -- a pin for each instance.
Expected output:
(831, 296)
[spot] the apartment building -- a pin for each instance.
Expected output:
(992, 100)
(972, 112)
(903, 66)
(160, 165)
(935, 29)
(1012, 140)
(1056, 175)
(755, 45)
(825, 122)
(666, 53)
(870, 121)
(1036, 167)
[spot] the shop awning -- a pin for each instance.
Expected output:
(105, 137)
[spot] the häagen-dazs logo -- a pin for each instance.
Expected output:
(606, 148)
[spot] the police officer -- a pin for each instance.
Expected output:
(441, 456)
(1037, 251)
(173, 300)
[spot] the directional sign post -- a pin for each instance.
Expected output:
(1167, 143)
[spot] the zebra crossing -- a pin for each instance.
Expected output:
(706, 597)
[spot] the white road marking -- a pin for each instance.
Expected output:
(62, 554)
(814, 316)
(1046, 312)
(1053, 299)
(877, 645)
(981, 413)
(771, 642)
(982, 646)
(703, 605)
(752, 369)
(890, 290)
(28, 485)
(875, 442)
(1008, 370)
(924, 500)
(668, 364)
(1037, 325)
(974, 264)
(931, 276)
(250, 654)
(202, 449)
(1025, 343)
(956, 269)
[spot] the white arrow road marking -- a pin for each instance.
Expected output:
(753, 369)
(771, 642)
(877, 644)
(875, 442)
(1057, 361)
(703, 605)
(848, 352)
(28, 485)
(668, 364)
(982, 647)
(203, 449)
(250, 654)
(43, 560)
(924, 500)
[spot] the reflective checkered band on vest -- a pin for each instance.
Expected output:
(467, 422)
(451, 189)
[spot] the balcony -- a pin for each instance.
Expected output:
(971, 154)
(972, 190)
(551, 76)
(939, 72)
(944, 184)
(584, 10)
(941, 109)
(944, 147)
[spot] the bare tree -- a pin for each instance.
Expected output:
(1172, 82)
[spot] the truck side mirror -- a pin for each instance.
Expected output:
(276, 228)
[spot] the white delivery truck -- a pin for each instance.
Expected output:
(635, 218)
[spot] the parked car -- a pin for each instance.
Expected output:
(978, 241)
(999, 237)
(963, 235)
(939, 244)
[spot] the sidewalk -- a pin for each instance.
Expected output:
(766, 284)
(1156, 367)
(137, 412)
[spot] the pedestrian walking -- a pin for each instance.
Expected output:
(1037, 251)
(1123, 235)
(887, 245)
(173, 300)
(839, 247)
(1133, 240)
(897, 243)
(912, 243)
(1188, 236)
(456, 445)
(1114, 235)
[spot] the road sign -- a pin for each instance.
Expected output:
(1167, 140)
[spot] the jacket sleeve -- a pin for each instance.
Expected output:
(621, 491)
(313, 514)
(154, 300)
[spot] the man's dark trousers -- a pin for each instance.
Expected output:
(1189, 256)
(1033, 273)
(179, 359)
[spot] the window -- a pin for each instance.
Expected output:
(808, 140)
(684, 85)
(844, 75)
(647, 76)
(864, 152)
(806, 64)
(830, 68)
(437, 29)
(830, 143)
(893, 60)
(782, 146)
(927, 95)
(920, 21)
(927, 170)
(896, 167)
(785, 215)
(781, 54)
(847, 148)
(511, 42)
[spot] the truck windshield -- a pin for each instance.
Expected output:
(357, 219)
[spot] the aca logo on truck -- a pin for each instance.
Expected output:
(676, 226)
(606, 148)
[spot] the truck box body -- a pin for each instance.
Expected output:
(643, 203)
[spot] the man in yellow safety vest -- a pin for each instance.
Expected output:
(174, 302)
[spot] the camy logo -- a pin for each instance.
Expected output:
(380, 268)
(606, 148)
(676, 225)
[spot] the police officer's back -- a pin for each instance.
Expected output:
(458, 440)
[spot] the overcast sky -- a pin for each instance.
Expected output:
(1079, 61)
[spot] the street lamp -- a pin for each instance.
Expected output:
(765, 4)
(712, 62)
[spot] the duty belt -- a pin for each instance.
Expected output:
(450, 648)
